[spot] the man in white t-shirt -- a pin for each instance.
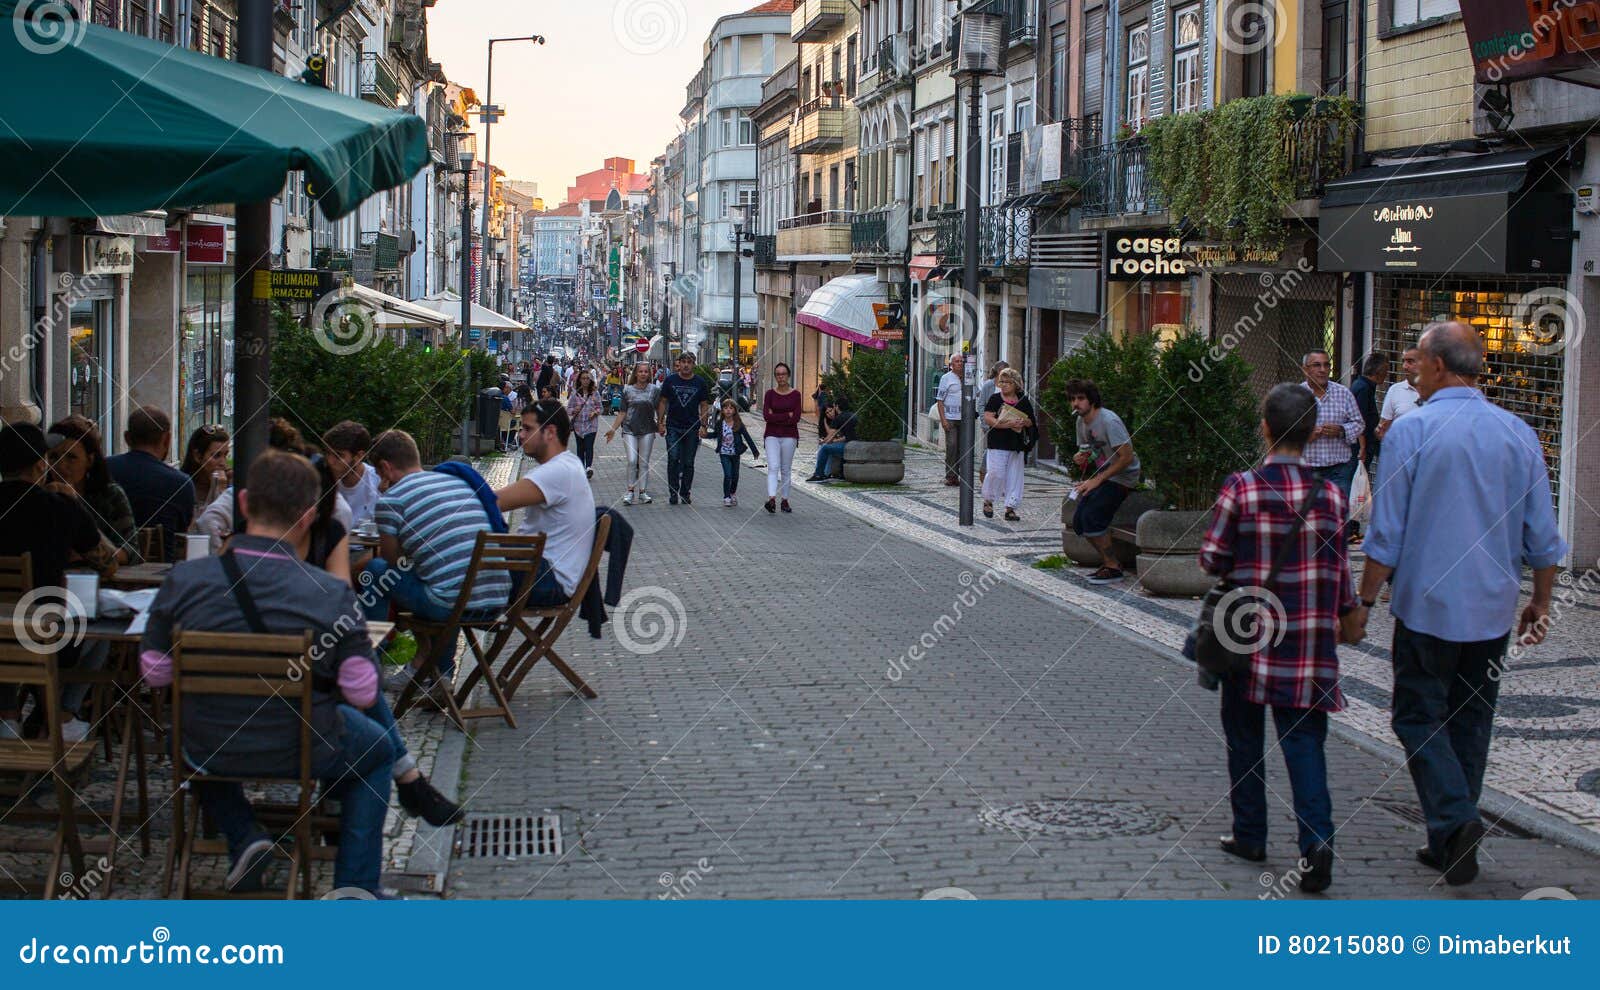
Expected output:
(557, 500)
(347, 444)
(949, 396)
(1402, 396)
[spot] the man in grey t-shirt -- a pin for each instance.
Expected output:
(1110, 470)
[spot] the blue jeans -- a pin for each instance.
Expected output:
(1342, 475)
(407, 591)
(1301, 734)
(730, 474)
(585, 448)
(1444, 698)
(682, 443)
(547, 591)
(825, 457)
(359, 780)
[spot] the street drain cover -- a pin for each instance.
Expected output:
(1493, 826)
(1075, 819)
(501, 836)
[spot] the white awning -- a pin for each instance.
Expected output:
(483, 318)
(843, 308)
(397, 314)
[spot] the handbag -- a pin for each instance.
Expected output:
(1225, 608)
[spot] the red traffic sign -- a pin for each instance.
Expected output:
(641, 345)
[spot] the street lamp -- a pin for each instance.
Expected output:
(978, 54)
(738, 215)
(464, 148)
(488, 113)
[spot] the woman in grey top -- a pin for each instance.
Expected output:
(637, 420)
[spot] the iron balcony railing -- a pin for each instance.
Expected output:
(378, 82)
(894, 59)
(384, 247)
(766, 250)
(869, 233)
(1317, 151)
(1005, 236)
(815, 218)
(1116, 180)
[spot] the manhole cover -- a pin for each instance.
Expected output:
(1493, 825)
(500, 836)
(1072, 819)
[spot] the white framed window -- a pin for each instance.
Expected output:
(1404, 13)
(1186, 35)
(1022, 115)
(997, 154)
(1138, 76)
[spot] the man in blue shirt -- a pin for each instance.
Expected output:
(1461, 503)
(684, 400)
(160, 494)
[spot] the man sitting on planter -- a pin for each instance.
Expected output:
(1105, 454)
(841, 430)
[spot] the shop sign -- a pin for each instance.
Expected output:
(1525, 39)
(107, 255)
(293, 284)
(1210, 256)
(205, 244)
(1487, 233)
(1135, 255)
(1069, 289)
(169, 243)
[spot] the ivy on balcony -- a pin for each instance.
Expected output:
(1232, 171)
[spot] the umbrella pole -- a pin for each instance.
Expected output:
(252, 365)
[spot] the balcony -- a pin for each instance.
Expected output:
(1317, 154)
(821, 235)
(819, 127)
(813, 19)
(766, 250)
(331, 259)
(384, 249)
(869, 233)
(378, 82)
(1005, 237)
(1116, 180)
(783, 82)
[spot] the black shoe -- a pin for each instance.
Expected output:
(250, 869)
(772, 506)
(1231, 846)
(1426, 857)
(686, 499)
(672, 499)
(1461, 854)
(816, 478)
(784, 505)
(422, 799)
(988, 510)
(1318, 866)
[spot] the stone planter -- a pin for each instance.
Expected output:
(1081, 551)
(868, 462)
(1169, 544)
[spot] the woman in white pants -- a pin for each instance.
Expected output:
(1009, 415)
(637, 420)
(781, 408)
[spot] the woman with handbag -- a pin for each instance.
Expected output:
(1269, 629)
(1009, 416)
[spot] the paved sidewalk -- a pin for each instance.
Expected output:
(815, 705)
(1546, 755)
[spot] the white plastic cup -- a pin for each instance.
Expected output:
(198, 546)
(85, 588)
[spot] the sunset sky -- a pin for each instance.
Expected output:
(608, 81)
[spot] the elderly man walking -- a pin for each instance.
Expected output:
(1461, 504)
(1339, 424)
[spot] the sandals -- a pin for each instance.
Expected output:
(1011, 516)
(988, 510)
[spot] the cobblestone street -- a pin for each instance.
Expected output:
(776, 735)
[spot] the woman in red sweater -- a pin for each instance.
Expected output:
(781, 407)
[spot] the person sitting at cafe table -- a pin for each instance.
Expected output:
(556, 500)
(216, 520)
(78, 460)
(345, 447)
(160, 494)
(261, 584)
(50, 522)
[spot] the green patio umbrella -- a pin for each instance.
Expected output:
(97, 121)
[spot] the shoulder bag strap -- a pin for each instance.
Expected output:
(241, 593)
(1294, 530)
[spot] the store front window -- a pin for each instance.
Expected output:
(1163, 308)
(92, 356)
(205, 373)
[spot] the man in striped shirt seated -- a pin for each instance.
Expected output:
(432, 521)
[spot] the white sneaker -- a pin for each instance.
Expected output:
(10, 729)
(74, 730)
(645, 498)
(727, 503)
(627, 499)
(733, 500)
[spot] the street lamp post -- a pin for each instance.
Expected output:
(465, 146)
(978, 56)
(739, 214)
(488, 113)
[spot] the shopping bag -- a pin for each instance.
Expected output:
(1360, 495)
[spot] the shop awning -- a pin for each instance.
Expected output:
(122, 124)
(397, 314)
(483, 318)
(842, 308)
(1503, 213)
(922, 265)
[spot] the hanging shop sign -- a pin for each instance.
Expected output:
(1491, 233)
(1135, 255)
(1526, 39)
(169, 243)
(106, 255)
(205, 244)
(293, 284)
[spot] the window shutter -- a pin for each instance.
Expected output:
(1094, 43)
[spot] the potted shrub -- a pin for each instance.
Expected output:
(1121, 368)
(1197, 424)
(874, 388)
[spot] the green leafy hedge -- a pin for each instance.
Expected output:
(384, 386)
(1120, 367)
(1197, 421)
(875, 390)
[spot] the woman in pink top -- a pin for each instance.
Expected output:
(781, 407)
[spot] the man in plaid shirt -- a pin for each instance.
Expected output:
(1293, 666)
(1339, 424)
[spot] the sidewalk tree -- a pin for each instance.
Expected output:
(1120, 366)
(875, 390)
(1196, 421)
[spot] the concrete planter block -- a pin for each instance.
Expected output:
(1162, 531)
(874, 450)
(1168, 544)
(874, 462)
(1175, 576)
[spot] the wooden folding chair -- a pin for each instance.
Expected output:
(16, 578)
(520, 555)
(33, 663)
(152, 543)
(273, 669)
(539, 643)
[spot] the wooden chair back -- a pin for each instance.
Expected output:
(31, 662)
(540, 643)
(16, 578)
(152, 543)
(519, 555)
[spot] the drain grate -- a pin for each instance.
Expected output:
(501, 836)
(1079, 819)
(1493, 825)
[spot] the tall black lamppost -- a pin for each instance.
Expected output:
(739, 214)
(488, 113)
(465, 145)
(978, 55)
